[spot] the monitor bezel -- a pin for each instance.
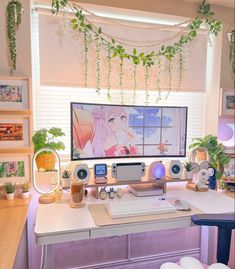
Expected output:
(126, 157)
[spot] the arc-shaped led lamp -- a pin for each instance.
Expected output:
(46, 197)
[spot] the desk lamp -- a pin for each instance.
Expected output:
(45, 198)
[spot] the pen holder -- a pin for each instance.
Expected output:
(77, 194)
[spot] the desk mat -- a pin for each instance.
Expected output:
(102, 218)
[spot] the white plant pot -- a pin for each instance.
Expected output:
(25, 195)
(188, 174)
(65, 182)
(10, 196)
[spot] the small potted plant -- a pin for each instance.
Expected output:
(25, 189)
(188, 170)
(66, 178)
(10, 190)
(44, 138)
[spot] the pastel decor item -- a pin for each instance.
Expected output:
(170, 265)
(212, 180)
(157, 170)
(190, 263)
(218, 266)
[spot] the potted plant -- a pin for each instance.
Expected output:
(25, 189)
(44, 138)
(9, 189)
(217, 156)
(66, 178)
(188, 170)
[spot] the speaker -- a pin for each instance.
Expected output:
(81, 172)
(174, 169)
(128, 171)
(157, 170)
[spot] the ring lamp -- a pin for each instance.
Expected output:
(45, 198)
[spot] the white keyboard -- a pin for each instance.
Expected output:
(139, 207)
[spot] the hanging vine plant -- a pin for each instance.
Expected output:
(14, 11)
(232, 51)
(147, 60)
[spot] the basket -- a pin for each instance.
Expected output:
(46, 161)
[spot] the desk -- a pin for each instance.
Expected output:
(58, 222)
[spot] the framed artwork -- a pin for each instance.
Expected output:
(228, 102)
(14, 94)
(14, 131)
(15, 168)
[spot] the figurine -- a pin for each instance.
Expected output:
(202, 178)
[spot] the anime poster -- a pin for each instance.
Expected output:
(104, 131)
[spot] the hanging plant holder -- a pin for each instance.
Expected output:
(14, 11)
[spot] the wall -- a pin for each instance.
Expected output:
(23, 42)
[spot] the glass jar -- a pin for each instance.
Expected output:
(77, 194)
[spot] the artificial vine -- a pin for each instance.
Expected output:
(109, 75)
(116, 49)
(14, 12)
(85, 50)
(232, 51)
(135, 82)
(146, 77)
(158, 62)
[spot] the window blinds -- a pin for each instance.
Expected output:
(52, 103)
(62, 63)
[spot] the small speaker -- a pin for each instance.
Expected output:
(175, 169)
(157, 170)
(82, 172)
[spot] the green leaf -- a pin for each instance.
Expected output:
(74, 20)
(134, 51)
(99, 30)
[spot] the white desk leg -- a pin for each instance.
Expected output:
(208, 246)
(47, 257)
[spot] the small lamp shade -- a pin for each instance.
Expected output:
(157, 170)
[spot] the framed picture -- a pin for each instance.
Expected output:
(14, 168)
(14, 131)
(14, 94)
(228, 102)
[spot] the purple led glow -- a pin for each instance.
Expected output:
(158, 170)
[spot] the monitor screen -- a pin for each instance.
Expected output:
(117, 131)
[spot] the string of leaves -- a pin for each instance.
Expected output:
(232, 51)
(116, 49)
(14, 11)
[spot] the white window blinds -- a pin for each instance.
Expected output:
(52, 103)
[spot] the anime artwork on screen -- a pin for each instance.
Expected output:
(104, 131)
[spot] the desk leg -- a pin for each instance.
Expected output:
(208, 245)
(47, 257)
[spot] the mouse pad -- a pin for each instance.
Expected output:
(102, 218)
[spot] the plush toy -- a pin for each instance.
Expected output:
(202, 177)
(191, 263)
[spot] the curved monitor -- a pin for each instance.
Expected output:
(118, 131)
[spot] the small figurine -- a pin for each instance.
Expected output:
(202, 178)
(103, 193)
(111, 193)
(119, 192)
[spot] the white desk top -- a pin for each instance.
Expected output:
(59, 223)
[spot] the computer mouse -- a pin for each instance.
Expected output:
(182, 205)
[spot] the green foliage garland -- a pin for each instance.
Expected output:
(81, 24)
(14, 11)
(232, 51)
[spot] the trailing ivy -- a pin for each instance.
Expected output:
(232, 51)
(97, 62)
(169, 78)
(146, 59)
(158, 62)
(85, 50)
(109, 75)
(134, 67)
(146, 77)
(121, 75)
(14, 12)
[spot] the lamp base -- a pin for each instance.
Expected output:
(46, 199)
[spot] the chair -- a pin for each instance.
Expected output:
(225, 223)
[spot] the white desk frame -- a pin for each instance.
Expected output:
(57, 223)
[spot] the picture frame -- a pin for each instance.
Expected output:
(227, 102)
(14, 94)
(14, 131)
(15, 168)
